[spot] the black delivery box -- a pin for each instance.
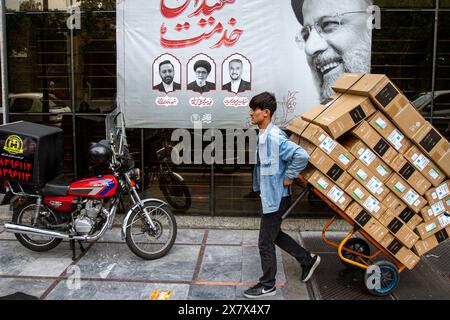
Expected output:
(30, 153)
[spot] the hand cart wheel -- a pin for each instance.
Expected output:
(358, 245)
(381, 278)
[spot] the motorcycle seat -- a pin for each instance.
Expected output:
(55, 188)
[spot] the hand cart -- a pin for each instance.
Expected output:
(381, 277)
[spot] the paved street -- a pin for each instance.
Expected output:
(203, 264)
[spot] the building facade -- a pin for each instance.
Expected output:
(54, 67)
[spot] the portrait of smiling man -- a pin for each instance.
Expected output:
(336, 38)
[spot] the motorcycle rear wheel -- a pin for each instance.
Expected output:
(145, 242)
(23, 214)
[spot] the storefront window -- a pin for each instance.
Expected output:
(95, 66)
(403, 50)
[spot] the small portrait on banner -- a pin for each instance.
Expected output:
(166, 73)
(201, 72)
(236, 74)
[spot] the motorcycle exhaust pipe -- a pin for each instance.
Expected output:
(17, 228)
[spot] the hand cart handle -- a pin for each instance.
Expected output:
(300, 197)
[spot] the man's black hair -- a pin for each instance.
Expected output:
(166, 62)
(265, 100)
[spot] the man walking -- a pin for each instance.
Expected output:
(278, 162)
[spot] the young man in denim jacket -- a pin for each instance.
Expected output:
(278, 162)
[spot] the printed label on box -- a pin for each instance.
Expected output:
(430, 140)
(444, 220)
(395, 225)
(420, 162)
(407, 171)
(362, 174)
(434, 174)
(406, 215)
(442, 191)
(344, 158)
(400, 187)
(358, 193)
(395, 247)
(357, 114)
(335, 194)
(335, 172)
(322, 137)
(322, 183)
(382, 170)
(411, 197)
(328, 145)
(368, 157)
(381, 147)
(430, 227)
(396, 139)
(441, 236)
(363, 218)
(342, 199)
(438, 208)
(381, 123)
(374, 185)
(386, 95)
(372, 204)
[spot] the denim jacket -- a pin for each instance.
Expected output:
(279, 159)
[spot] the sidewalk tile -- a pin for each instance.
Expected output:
(93, 290)
(116, 261)
(18, 260)
(211, 292)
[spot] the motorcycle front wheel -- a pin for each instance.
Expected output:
(146, 242)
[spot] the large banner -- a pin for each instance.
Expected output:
(184, 62)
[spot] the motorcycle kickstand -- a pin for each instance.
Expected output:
(81, 246)
(72, 247)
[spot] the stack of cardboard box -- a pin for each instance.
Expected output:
(379, 161)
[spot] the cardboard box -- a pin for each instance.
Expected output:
(305, 144)
(359, 150)
(411, 219)
(399, 229)
(378, 87)
(403, 190)
(369, 224)
(312, 114)
(433, 226)
(439, 193)
(346, 81)
(427, 167)
(329, 189)
(393, 203)
(344, 114)
(408, 258)
(321, 139)
(399, 208)
(409, 120)
(431, 142)
(364, 198)
(424, 246)
(435, 210)
(408, 172)
(331, 169)
(388, 131)
(444, 163)
(374, 141)
(369, 180)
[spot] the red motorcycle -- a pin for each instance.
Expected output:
(85, 209)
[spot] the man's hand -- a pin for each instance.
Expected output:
(288, 182)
